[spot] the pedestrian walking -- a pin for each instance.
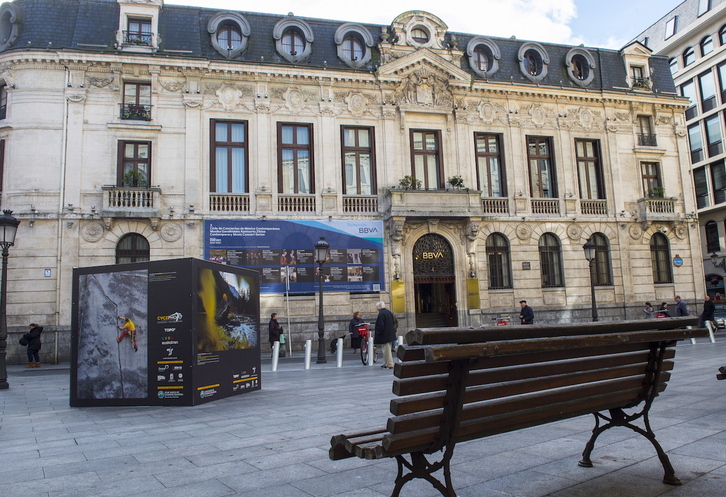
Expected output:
(32, 337)
(526, 315)
(706, 317)
(663, 311)
(385, 333)
(648, 310)
(275, 333)
(353, 325)
(681, 308)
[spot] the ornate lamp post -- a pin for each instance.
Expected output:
(322, 253)
(590, 253)
(716, 263)
(8, 228)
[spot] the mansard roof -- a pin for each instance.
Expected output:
(91, 26)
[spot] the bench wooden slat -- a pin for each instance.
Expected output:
(537, 345)
(433, 336)
(345, 446)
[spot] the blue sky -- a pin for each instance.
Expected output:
(594, 23)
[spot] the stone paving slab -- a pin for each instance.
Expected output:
(274, 442)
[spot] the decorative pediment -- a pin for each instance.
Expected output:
(423, 58)
(425, 88)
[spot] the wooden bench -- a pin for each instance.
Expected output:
(457, 384)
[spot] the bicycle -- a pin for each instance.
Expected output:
(364, 331)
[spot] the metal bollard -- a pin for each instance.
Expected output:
(339, 353)
(400, 342)
(370, 350)
(275, 355)
(308, 352)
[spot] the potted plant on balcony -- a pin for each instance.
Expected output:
(134, 178)
(456, 182)
(656, 192)
(409, 183)
(136, 112)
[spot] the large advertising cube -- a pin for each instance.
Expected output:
(173, 332)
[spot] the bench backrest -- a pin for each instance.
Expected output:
(457, 384)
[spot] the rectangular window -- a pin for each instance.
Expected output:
(696, 142)
(718, 180)
(139, 32)
(713, 135)
(713, 241)
(2, 166)
(588, 169)
(228, 157)
(700, 179)
(722, 81)
(426, 158)
(703, 6)
(638, 77)
(3, 101)
(295, 170)
(489, 170)
(670, 27)
(542, 181)
(708, 91)
(650, 174)
(688, 90)
(134, 164)
(358, 161)
(646, 137)
(137, 102)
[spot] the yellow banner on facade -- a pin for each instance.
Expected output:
(472, 293)
(398, 297)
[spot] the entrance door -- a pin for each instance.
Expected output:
(434, 284)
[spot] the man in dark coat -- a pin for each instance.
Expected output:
(33, 337)
(275, 330)
(681, 309)
(527, 314)
(708, 310)
(385, 333)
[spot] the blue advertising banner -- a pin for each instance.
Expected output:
(282, 252)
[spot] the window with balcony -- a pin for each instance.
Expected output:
(134, 164)
(137, 102)
(700, 180)
(499, 262)
(670, 27)
(489, 170)
(646, 137)
(718, 181)
(550, 260)
(358, 161)
(132, 247)
(229, 171)
(689, 56)
(138, 32)
(3, 101)
(638, 78)
(695, 142)
(601, 269)
(713, 242)
(426, 158)
(295, 170)
(714, 135)
(542, 181)
(660, 258)
(650, 176)
(706, 46)
(688, 90)
(589, 171)
(707, 86)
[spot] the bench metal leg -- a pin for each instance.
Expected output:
(420, 467)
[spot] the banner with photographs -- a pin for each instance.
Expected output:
(283, 253)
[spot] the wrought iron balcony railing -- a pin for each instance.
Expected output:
(647, 140)
(136, 112)
(140, 38)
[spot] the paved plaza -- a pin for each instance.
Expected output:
(274, 442)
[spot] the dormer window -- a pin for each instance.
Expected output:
(419, 35)
(580, 66)
(293, 39)
(484, 56)
(354, 42)
(533, 61)
(352, 48)
(138, 32)
(229, 33)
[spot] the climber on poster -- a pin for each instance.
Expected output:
(128, 328)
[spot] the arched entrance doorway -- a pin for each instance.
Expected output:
(434, 284)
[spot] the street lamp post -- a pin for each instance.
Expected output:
(8, 228)
(322, 253)
(590, 252)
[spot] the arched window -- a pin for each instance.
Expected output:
(499, 262)
(550, 261)
(483, 56)
(660, 257)
(132, 247)
(293, 42)
(722, 35)
(713, 244)
(229, 33)
(293, 39)
(673, 63)
(353, 43)
(601, 274)
(689, 56)
(352, 47)
(581, 66)
(533, 61)
(229, 37)
(706, 46)
(419, 35)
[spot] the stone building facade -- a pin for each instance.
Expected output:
(129, 124)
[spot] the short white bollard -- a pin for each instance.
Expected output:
(710, 325)
(308, 352)
(275, 355)
(370, 351)
(400, 342)
(339, 353)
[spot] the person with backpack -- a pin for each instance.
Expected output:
(32, 337)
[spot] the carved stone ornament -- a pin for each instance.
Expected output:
(622, 116)
(229, 97)
(524, 232)
(357, 103)
(396, 229)
(99, 82)
(574, 231)
(424, 88)
(171, 232)
(586, 118)
(92, 232)
(681, 231)
(294, 99)
(172, 85)
(635, 232)
(538, 115)
(76, 97)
